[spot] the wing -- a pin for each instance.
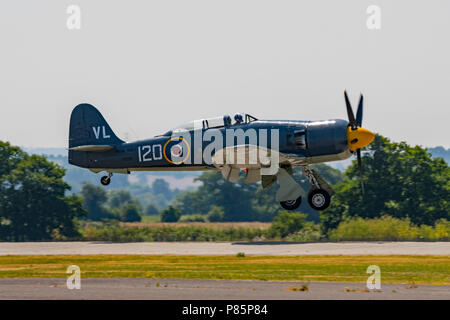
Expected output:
(231, 160)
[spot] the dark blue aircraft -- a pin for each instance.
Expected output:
(266, 150)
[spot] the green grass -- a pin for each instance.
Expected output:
(394, 269)
(122, 233)
(152, 218)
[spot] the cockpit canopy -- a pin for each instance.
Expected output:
(216, 122)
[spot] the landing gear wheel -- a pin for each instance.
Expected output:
(319, 199)
(291, 204)
(105, 180)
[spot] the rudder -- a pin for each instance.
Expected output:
(89, 128)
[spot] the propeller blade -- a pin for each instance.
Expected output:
(351, 116)
(358, 155)
(359, 112)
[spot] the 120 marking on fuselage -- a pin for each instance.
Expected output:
(147, 152)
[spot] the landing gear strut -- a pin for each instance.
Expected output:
(290, 193)
(105, 180)
(319, 197)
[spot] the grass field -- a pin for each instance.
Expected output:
(394, 269)
(153, 218)
(212, 225)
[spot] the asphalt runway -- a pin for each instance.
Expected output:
(226, 248)
(192, 289)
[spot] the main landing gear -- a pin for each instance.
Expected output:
(291, 204)
(106, 180)
(319, 197)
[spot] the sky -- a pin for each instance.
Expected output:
(150, 65)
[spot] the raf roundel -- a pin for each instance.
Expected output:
(176, 150)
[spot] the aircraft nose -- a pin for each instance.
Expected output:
(359, 138)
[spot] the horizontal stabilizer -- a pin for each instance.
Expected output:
(92, 148)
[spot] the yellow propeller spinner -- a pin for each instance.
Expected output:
(359, 137)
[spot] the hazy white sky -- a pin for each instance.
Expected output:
(151, 65)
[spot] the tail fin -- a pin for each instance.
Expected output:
(89, 131)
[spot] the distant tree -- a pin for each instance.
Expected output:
(160, 186)
(94, 201)
(440, 152)
(170, 214)
(144, 195)
(33, 205)
(286, 223)
(130, 213)
(151, 210)
(216, 214)
(399, 180)
(119, 198)
(190, 202)
(233, 198)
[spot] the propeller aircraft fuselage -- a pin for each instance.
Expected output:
(266, 150)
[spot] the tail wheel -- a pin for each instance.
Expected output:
(291, 204)
(319, 199)
(105, 180)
